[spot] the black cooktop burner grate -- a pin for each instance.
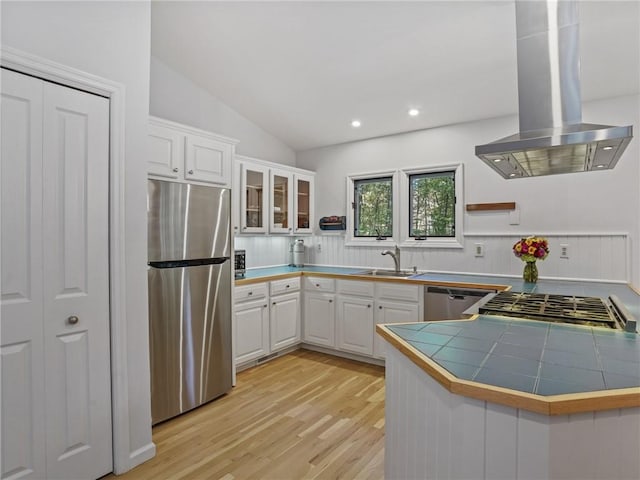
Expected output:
(555, 308)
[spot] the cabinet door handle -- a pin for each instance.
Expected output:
(318, 285)
(264, 306)
(368, 306)
(175, 170)
(250, 293)
(72, 320)
(273, 303)
(190, 172)
(330, 301)
(287, 286)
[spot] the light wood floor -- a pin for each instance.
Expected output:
(304, 415)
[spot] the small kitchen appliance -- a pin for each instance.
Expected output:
(296, 251)
(589, 311)
(240, 262)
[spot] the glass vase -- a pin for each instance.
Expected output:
(530, 273)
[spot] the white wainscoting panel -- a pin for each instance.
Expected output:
(265, 250)
(592, 256)
(431, 433)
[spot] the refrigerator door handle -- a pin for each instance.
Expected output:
(189, 263)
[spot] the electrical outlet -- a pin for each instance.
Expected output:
(479, 249)
(564, 250)
(319, 247)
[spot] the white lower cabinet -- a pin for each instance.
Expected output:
(285, 320)
(252, 330)
(319, 318)
(251, 322)
(337, 314)
(392, 312)
(355, 324)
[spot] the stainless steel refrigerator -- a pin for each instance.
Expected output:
(189, 234)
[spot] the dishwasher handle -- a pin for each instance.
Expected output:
(458, 293)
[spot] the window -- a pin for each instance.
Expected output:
(432, 205)
(414, 207)
(373, 207)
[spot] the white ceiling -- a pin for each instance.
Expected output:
(303, 70)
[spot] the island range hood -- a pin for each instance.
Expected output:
(552, 137)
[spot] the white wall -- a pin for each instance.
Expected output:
(562, 205)
(175, 97)
(111, 40)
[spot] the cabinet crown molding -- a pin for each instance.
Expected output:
(162, 122)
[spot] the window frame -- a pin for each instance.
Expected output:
(351, 239)
(405, 208)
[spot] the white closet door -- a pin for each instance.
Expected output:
(76, 287)
(21, 301)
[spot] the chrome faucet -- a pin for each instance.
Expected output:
(395, 255)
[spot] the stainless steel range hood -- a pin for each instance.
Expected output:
(552, 137)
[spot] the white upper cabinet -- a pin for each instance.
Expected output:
(254, 199)
(303, 206)
(208, 160)
(274, 198)
(166, 152)
(188, 154)
(281, 201)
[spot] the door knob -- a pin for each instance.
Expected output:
(72, 320)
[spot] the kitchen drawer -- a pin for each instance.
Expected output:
(319, 284)
(355, 287)
(398, 291)
(256, 291)
(285, 286)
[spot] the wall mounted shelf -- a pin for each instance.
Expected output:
(484, 207)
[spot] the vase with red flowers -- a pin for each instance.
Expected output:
(529, 250)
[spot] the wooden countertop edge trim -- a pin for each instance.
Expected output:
(375, 278)
(267, 278)
(551, 405)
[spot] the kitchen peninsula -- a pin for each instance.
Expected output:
(520, 417)
(497, 397)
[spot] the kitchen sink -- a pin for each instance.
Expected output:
(388, 273)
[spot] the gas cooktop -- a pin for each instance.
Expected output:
(591, 311)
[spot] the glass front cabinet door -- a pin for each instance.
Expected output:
(303, 218)
(253, 202)
(281, 202)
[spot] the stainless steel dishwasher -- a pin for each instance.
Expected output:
(446, 303)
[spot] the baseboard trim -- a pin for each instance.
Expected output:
(339, 353)
(142, 454)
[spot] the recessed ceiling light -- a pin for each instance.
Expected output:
(609, 147)
(599, 166)
(513, 174)
(414, 112)
(355, 123)
(496, 160)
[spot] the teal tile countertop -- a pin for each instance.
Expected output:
(630, 298)
(281, 270)
(583, 289)
(528, 356)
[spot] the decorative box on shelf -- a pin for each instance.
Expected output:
(333, 223)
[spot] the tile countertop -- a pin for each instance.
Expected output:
(543, 367)
(538, 366)
(284, 269)
(629, 297)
